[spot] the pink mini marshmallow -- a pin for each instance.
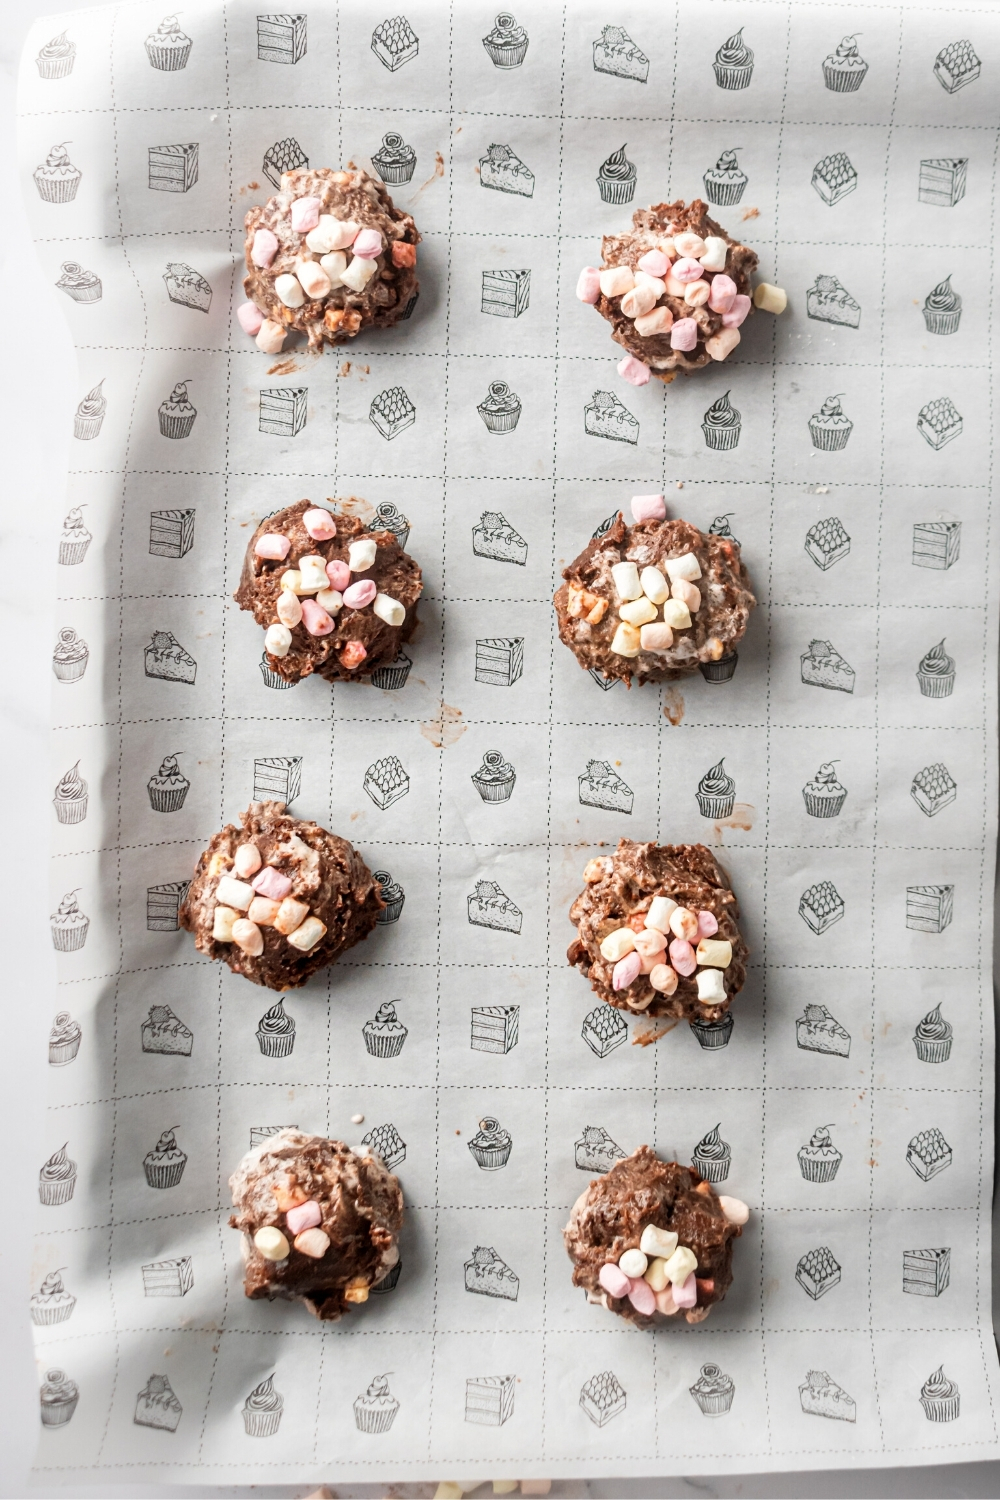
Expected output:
(305, 214)
(737, 313)
(271, 883)
(305, 1216)
(723, 291)
(264, 248)
(686, 1295)
(682, 957)
(654, 263)
(633, 370)
(625, 970)
(614, 1282)
(684, 334)
(338, 573)
(642, 1296)
(708, 924)
(249, 317)
(315, 618)
(360, 594)
(273, 546)
(687, 269)
(320, 525)
(368, 244)
(588, 284)
(648, 508)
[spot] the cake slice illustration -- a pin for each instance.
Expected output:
(57, 179)
(824, 795)
(385, 1141)
(495, 1028)
(494, 537)
(595, 1151)
(90, 414)
(733, 63)
(393, 895)
(507, 44)
(606, 417)
(375, 1410)
(263, 1407)
(59, 1396)
(283, 156)
(166, 1033)
(929, 908)
(394, 42)
(499, 660)
(933, 1037)
(187, 287)
(725, 183)
(171, 533)
(502, 169)
(385, 1034)
(617, 54)
(936, 544)
(500, 408)
(844, 70)
(81, 285)
(164, 1163)
(489, 1276)
(834, 177)
(173, 169)
(281, 39)
(942, 308)
(713, 1391)
(276, 1032)
(389, 517)
(821, 905)
(52, 1303)
(168, 786)
(163, 904)
(822, 1397)
(489, 1400)
(157, 1406)
(166, 659)
(830, 427)
(602, 1397)
(70, 657)
(939, 1397)
(926, 1273)
(494, 781)
(167, 48)
(928, 1153)
(956, 65)
(817, 1272)
(817, 1031)
(505, 293)
(829, 302)
(939, 422)
(722, 425)
(70, 796)
(943, 180)
(57, 1179)
(933, 788)
(56, 58)
(488, 906)
(260, 1133)
(392, 412)
(277, 778)
(819, 1160)
(394, 161)
(283, 412)
(712, 1157)
(69, 925)
(824, 667)
(386, 781)
(601, 786)
(616, 178)
(604, 1029)
(827, 542)
(168, 1278)
(64, 1039)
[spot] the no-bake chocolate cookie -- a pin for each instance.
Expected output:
(319, 1221)
(333, 598)
(327, 256)
(650, 1238)
(655, 600)
(279, 898)
(656, 931)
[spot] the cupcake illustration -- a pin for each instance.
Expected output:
(56, 1181)
(824, 796)
(716, 792)
(385, 1035)
(713, 1391)
(59, 1396)
(933, 1037)
(90, 414)
(494, 781)
(164, 1164)
(725, 183)
(818, 1162)
(942, 308)
(507, 43)
(721, 670)
(500, 409)
(168, 788)
(376, 1410)
(69, 925)
(393, 675)
(276, 1032)
(57, 179)
(491, 1145)
(271, 678)
(176, 413)
(721, 527)
(70, 797)
(733, 63)
(56, 58)
(939, 1397)
(844, 70)
(721, 425)
(51, 1303)
(64, 1039)
(74, 540)
(394, 161)
(713, 1034)
(70, 657)
(712, 1157)
(616, 179)
(262, 1410)
(828, 427)
(167, 48)
(936, 673)
(392, 894)
(81, 285)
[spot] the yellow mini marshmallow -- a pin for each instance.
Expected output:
(768, 298)
(626, 581)
(680, 1265)
(271, 336)
(638, 301)
(291, 580)
(676, 615)
(222, 923)
(654, 585)
(356, 1290)
(660, 320)
(307, 934)
(626, 640)
(638, 612)
(617, 944)
(656, 1274)
(616, 281)
(714, 953)
(690, 245)
(262, 911)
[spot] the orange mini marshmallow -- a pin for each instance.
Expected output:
(684, 924)
(687, 593)
(663, 978)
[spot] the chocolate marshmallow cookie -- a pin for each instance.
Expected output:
(328, 256)
(279, 898)
(333, 598)
(319, 1221)
(656, 600)
(651, 1238)
(656, 932)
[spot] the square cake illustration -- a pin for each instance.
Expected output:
(489, 1400)
(281, 39)
(827, 542)
(602, 1398)
(933, 788)
(495, 1028)
(936, 544)
(386, 1142)
(386, 781)
(394, 42)
(929, 908)
(277, 778)
(392, 412)
(821, 905)
(283, 156)
(834, 177)
(601, 786)
(939, 422)
(817, 1272)
(956, 65)
(499, 662)
(942, 180)
(505, 293)
(173, 169)
(163, 904)
(488, 906)
(928, 1153)
(926, 1273)
(604, 1029)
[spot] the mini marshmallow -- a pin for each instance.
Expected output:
(680, 1265)
(768, 298)
(689, 244)
(353, 655)
(315, 618)
(388, 609)
(697, 293)
(320, 525)
(271, 1243)
(687, 593)
(272, 546)
(264, 248)
(222, 923)
(232, 892)
(262, 911)
(668, 248)
(588, 286)
(270, 336)
(248, 937)
(638, 612)
(686, 1295)
(332, 234)
(616, 281)
(654, 585)
(291, 579)
(288, 608)
(659, 1242)
(686, 270)
(714, 256)
(626, 641)
(711, 989)
(685, 566)
(663, 979)
(676, 615)
(655, 1276)
(312, 570)
(305, 1216)
(656, 637)
(247, 861)
(361, 555)
(654, 263)
(737, 314)
(708, 924)
(722, 294)
(660, 320)
(289, 290)
(614, 1282)
(334, 264)
(684, 334)
(641, 299)
(648, 508)
(684, 924)
(331, 600)
(626, 971)
(338, 574)
(278, 639)
(665, 1303)
(722, 344)
(714, 953)
(358, 273)
(653, 284)
(682, 957)
(674, 287)
(661, 909)
(735, 1210)
(649, 942)
(249, 317)
(617, 944)
(271, 883)
(307, 935)
(291, 914)
(633, 370)
(642, 1297)
(626, 581)
(368, 243)
(356, 1290)
(313, 1242)
(305, 214)
(360, 594)
(633, 1263)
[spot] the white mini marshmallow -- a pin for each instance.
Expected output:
(332, 234)
(312, 571)
(714, 953)
(617, 944)
(654, 585)
(685, 566)
(277, 640)
(654, 284)
(633, 1263)
(626, 580)
(714, 258)
(676, 615)
(247, 861)
(735, 1210)
(626, 641)
(313, 279)
(388, 609)
(660, 320)
(616, 281)
(335, 264)
(358, 274)
(658, 1242)
(661, 909)
(222, 924)
(638, 301)
(291, 579)
(288, 608)
(332, 600)
(689, 245)
(307, 935)
(656, 637)
(238, 893)
(361, 555)
(680, 1265)
(711, 990)
(638, 612)
(289, 290)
